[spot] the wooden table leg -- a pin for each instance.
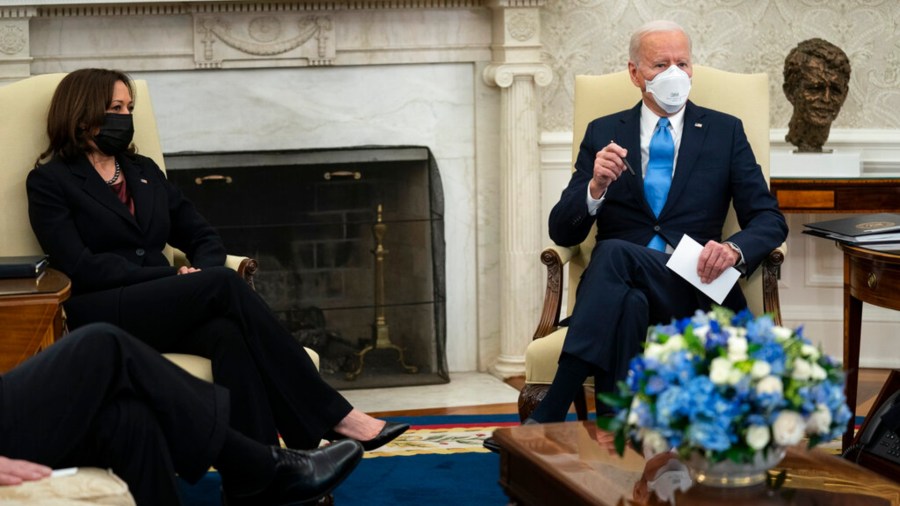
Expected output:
(852, 324)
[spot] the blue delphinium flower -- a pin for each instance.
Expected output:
(709, 436)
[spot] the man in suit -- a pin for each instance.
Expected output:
(688, 164)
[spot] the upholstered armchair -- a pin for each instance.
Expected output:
(743, 95)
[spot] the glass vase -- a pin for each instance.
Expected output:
(729, 474)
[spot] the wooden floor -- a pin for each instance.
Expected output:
(870, 382)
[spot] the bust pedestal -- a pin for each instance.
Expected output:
(787, 163)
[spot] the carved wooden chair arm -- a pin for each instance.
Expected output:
(771, 272)
(246, 267)
(554, 257)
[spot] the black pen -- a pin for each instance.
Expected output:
(627, 165)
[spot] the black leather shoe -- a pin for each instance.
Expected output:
(388, 433)
(304, 476)
(491, 444)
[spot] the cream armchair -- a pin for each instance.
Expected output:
(743, 95)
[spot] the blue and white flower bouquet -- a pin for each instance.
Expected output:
(729, 386)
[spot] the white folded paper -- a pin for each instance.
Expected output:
(684, 263)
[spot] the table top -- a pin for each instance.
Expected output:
(578, 459)
(50, 283)
(872, 251)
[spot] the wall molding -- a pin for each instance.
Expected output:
(879, 149)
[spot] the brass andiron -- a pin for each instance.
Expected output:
(380, 327)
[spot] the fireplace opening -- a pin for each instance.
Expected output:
(350, 245)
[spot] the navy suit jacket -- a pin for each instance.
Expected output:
(92, 237)
(715, 167)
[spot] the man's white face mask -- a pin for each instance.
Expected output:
(670, 89)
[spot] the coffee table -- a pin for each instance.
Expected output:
(564, 464)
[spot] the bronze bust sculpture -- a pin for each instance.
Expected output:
(816, 82)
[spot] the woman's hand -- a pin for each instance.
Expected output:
(14, 472)
(186, 270)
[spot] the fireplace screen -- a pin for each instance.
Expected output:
(350, 245)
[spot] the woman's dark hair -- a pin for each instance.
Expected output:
(78, 108)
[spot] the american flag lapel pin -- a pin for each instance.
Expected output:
(143, 180)
(698, 125)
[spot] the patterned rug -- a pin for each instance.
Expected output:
(438, 435)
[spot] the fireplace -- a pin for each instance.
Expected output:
(350, 244)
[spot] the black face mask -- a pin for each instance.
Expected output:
(115, 134)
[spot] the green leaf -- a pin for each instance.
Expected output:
(614, 400)
(620, 443)
(610, 423)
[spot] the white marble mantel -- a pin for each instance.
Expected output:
(458, 76)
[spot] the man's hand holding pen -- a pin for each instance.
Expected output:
(609, 164)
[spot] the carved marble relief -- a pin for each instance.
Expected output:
(13, 39)
(241, 41)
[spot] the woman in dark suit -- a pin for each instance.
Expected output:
(104, 213)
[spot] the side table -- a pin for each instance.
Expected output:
(31, 316)
(872, 277)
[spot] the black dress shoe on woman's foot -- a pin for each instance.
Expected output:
(388, 433)
(304, 476)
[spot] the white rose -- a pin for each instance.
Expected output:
(758, 436)
(817, 372)
(654, 351)
(802, 370)
(770, 385)
(675, 343)
(788, 428)
(652, 443)
(701, 333)
(632, 414)
(810, 351)
(782, 333)
(820, 421)
(719, 370)
(737, 349)
(760, 369)
(734, 376)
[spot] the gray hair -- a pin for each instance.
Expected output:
(652, 27)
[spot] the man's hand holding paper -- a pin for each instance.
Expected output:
(687, 261)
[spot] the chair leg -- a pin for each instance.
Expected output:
(529, 398)
(581, 405)
(532, 395)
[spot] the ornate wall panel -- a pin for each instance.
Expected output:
(591, 37)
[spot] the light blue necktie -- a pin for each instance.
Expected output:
(659, 174)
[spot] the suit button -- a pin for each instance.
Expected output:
(139, 252)
(657, 228)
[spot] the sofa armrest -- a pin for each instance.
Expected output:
(554, 257)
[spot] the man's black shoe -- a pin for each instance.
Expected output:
(491, 444)
(304, 476)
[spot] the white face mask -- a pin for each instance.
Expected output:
(670, 89)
